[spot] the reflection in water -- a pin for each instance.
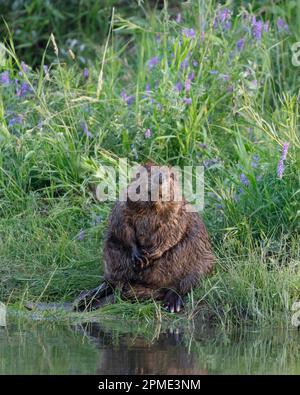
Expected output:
(39, 347)
(130, 354)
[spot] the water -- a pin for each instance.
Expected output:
(39, 347)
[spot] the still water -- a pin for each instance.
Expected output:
(39, 347)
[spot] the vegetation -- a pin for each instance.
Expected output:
(196, 83)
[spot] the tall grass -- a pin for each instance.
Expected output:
(209, 89)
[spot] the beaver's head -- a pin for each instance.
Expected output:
(154, 186)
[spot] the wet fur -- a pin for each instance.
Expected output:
(152, 248)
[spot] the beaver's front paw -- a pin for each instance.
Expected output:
(173, 302)
(139, 259)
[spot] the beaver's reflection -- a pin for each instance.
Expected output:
(130, 354)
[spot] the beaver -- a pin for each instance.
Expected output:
(154, 248)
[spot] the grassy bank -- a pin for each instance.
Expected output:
(212, 86)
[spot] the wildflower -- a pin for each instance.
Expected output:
(86, 73)
(147, 89)
(230, 88)
(214, 72)
(285, 148)
(254, 162)
(240, 44)
(195, 63)
(23, 90)
(202, 36)
(85, 129)
(189, 33)
(253, 84)
(16, 120)
(157, 38)
(203, 146)
(210, 163)
(188, 85)
(128, 99)
(148, 134)
(282, 25)
(224, 77)
(280, 166)
(80, 235)
(244, 180)
(222, 19)
(152, 62)
(178, 86)
(185, 63)
(4, 78)
(187, 100)
(24, 67)
(46, 69)
(257, 28)
(191, 76)
(178, 17)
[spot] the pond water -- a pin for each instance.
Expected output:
(40, 347)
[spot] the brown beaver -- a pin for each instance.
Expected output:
(153, 249)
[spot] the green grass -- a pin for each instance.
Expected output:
(244, 106)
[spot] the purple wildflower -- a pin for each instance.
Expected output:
(195, 63)
(254, 162)
(189, 33)
(128, 99)
(188, 85)
(185, 63)
(148, 134)
(4, 78)
(222, 19)
(208, 163)
(187, 100)
(224, 77)
(280, 166)
(23, 90)
(178, 86)
(85, 129)
(285, 148)
(147, 89)
(152, 62)
(203, 146)
(240, 44)
(282, 25)
(214, 72)
(86, 73)
(230, 88)
(24, 67)
(257, 28)
(178, 17)
(191, 76)
(16, 120)
(254, 84)
(244, 180)
(80, 235)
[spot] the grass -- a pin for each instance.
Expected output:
(59, 127)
